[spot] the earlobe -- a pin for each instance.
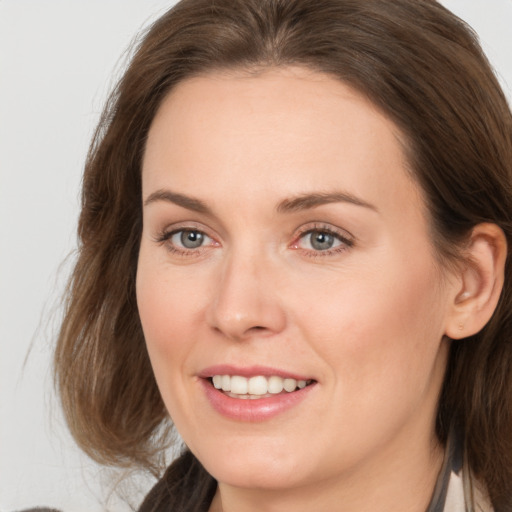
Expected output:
(480, 282)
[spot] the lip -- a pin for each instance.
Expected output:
(260, 409)
(249, 371)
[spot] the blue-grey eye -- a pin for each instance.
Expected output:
(321, 241)
(318, 240)
(189, 239)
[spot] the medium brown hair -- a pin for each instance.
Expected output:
(419, 64)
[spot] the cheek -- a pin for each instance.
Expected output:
(381, 333)
(381, 338)
(168, 316)
(168, 320)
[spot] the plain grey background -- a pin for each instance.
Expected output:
(58, 59)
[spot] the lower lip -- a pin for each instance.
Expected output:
(255, 410)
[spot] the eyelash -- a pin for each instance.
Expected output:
(165, 238)
(346, 242)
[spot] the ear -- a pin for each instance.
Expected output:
(480, 281)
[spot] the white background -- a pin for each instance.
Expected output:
(58, 59)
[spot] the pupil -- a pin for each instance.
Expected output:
(321, 241)
(191, 239)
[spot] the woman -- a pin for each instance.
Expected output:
(296, 218)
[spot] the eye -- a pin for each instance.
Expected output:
(189, 239)
(186, 241)
(322, 240)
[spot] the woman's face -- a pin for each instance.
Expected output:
(285, 243)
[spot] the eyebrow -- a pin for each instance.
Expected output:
(312, 200)
(294, 204)
(182, 200)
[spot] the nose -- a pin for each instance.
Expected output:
(246, 299)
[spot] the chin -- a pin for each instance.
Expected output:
(255, 477)
(257, 469)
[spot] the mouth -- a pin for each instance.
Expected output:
(255, 393)
(257, 387)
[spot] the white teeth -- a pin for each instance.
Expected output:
(275, 385)
(290, 385)
(239, 385)
(217, 381)
(226, 383)
(256, 387)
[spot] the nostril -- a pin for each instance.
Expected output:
(256, 328)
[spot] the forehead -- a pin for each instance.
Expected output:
(278, 132)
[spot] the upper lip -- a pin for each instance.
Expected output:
(250, 371)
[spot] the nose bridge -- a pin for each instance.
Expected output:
(245, 299)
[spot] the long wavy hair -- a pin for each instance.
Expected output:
(424, 69)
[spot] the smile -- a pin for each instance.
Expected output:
(237, 386)
(253, 394)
